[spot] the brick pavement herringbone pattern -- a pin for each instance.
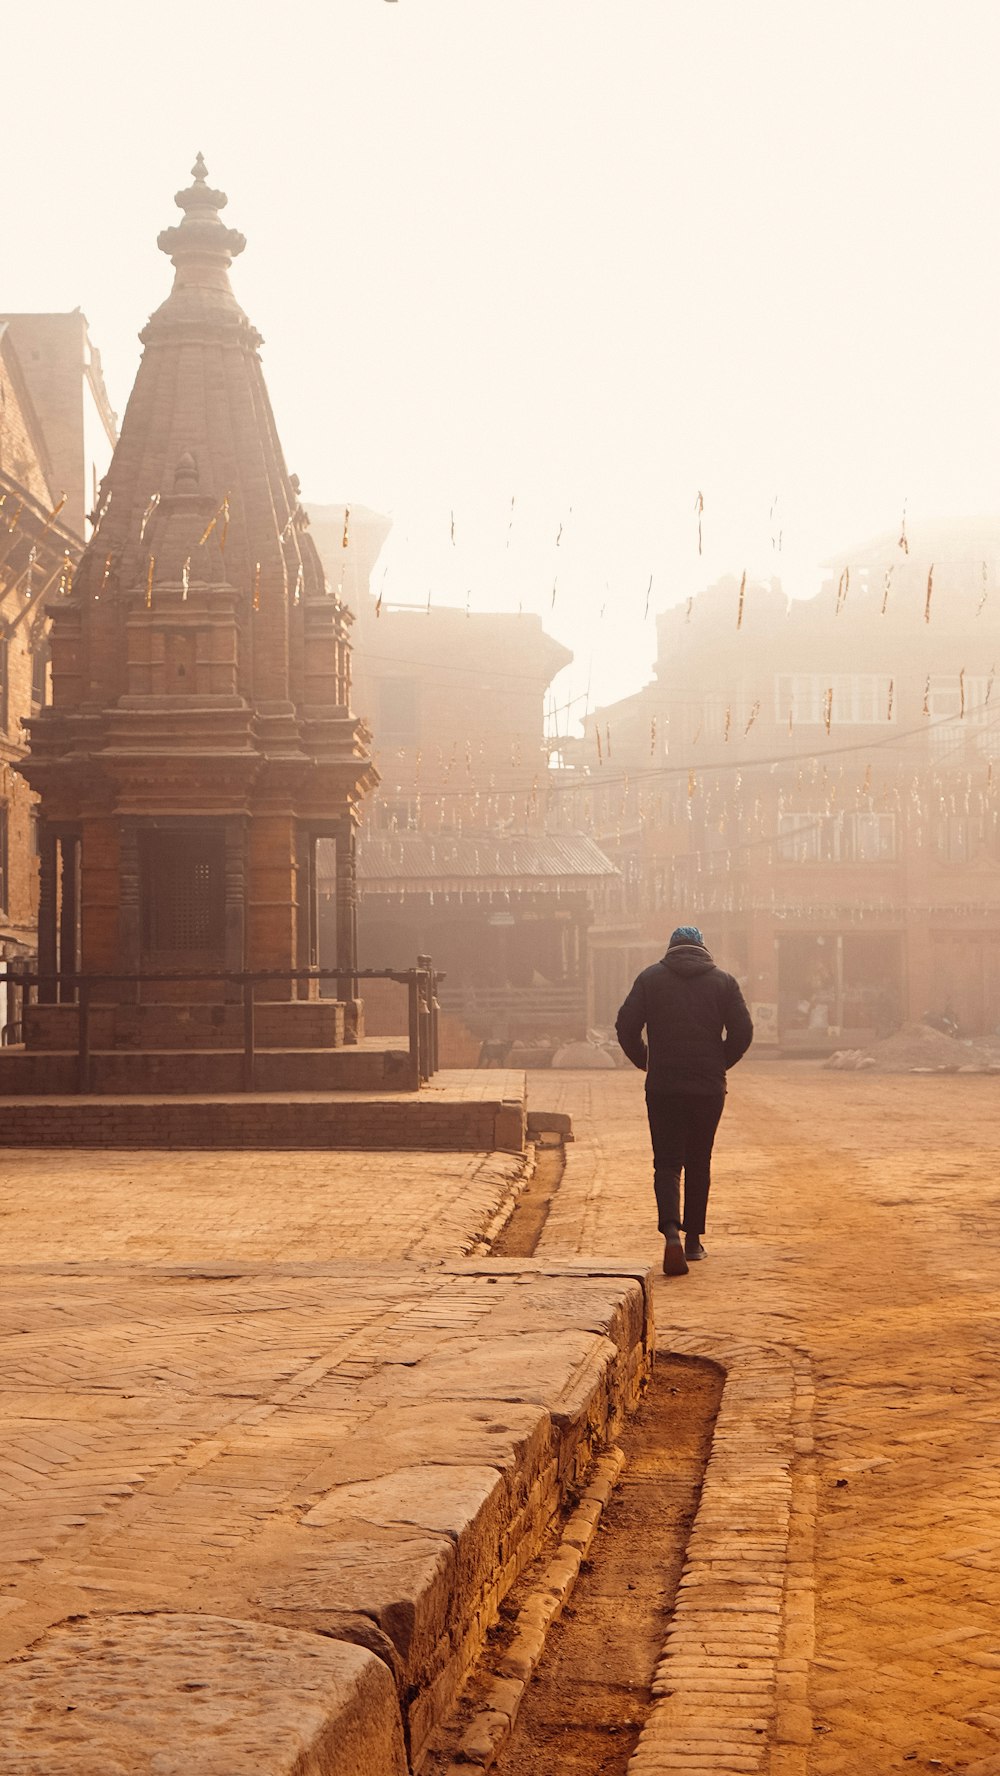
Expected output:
(854, 1218)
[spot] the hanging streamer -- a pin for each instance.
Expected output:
(892, 688)
(699, 506)
(828, 709)
(223, 534)
(345, 539)
(842, 589)
(597, 737)
(154, 501)
(754, 713)
(985, 592)
(649, 589)
(930, 590)
(739, 608)
(903, 543)
(256, 586)
(299, 577)
(185, 578)
(149, 582)
(652, 737)
(886, 583)
(927, 696)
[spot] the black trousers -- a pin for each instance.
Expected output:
(682, 1126)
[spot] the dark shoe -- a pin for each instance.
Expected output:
(674, 1261)
(693, 1248)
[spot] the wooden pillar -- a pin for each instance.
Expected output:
(129, 907)
(47, 898)
(347, 930)
(69, 846)
(235, 914)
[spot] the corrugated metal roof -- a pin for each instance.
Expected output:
(400, 858)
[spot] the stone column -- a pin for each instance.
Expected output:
(347, 932)
(47, 896)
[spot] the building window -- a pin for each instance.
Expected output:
(868, 838)
(859, 699)
(398, 712)
(807, 838)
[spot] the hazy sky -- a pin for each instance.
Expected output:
(591, 255)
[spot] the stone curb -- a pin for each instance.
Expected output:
(511, 1176)
(730, 1691)
(482, 1740)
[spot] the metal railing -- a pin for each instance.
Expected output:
(421, 983)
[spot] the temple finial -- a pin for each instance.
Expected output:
(202, 236)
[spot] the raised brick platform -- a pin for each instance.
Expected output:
(463, 1111)
(276, 1540)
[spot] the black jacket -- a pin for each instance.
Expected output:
(696, 1021)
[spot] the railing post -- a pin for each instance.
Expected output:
(413, 986)
(248, 1036)
(83, 1037)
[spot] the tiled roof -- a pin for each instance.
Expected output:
(402, 859)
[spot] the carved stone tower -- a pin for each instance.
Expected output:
(200, 738)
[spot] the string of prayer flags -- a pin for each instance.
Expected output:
(743, 593)
(345, 539)
(930, 590)
(149, 582)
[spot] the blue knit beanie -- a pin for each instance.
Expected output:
(685, 934)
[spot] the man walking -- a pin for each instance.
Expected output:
(697, 1026)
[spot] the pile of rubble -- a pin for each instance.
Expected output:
(917, 1048)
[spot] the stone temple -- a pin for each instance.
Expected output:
(200, 739)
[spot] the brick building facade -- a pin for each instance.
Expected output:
(56, 434)
(816, 784)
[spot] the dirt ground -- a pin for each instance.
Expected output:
(856, 1217)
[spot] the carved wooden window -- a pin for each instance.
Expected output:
(183, 890)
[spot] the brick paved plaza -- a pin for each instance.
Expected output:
(162, 1312)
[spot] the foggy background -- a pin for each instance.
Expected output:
(593, 259)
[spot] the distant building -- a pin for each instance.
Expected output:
(454, 859)
(817, 785)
